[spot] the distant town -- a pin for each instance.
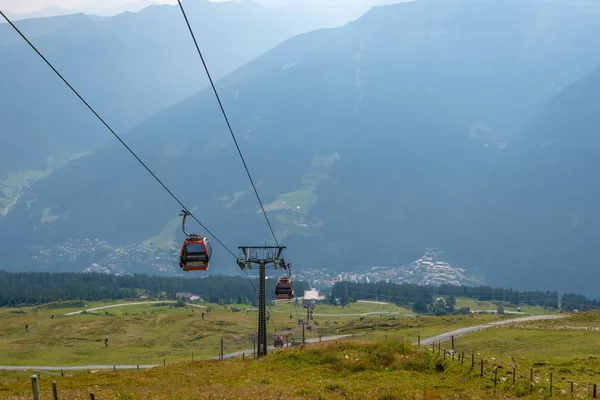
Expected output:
(93, 255)
(426, 270)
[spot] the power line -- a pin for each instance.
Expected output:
(227, 121)
(115, 134)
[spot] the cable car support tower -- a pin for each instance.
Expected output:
(261, 256)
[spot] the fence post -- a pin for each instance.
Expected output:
(35, 388)
(164, 362)
(88, 370)
(243, 356)
(531, 381)
(444, 353)
(221, 348)
(550, 384)
(138, 367)
(114, 368)
(472, 360)
(62, 373)
(594, 393)
(481, 369)
(452, 342)
(92, 397)
(462, 358)
(54, 391)
(571, 388)
(495, 376)
(319, 338)
(419, 340)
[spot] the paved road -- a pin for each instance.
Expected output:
(470, 329)
(131, 304)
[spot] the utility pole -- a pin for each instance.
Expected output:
(261, 256)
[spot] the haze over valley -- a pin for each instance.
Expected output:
(462, 125)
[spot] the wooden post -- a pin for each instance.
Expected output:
(462, 358)
(531, 381)
(138, 367)
(452, 342)
(444, 353)
(514, 374)
(550, 384)
(319, 338)
(164, 362)
(35, 388)
(481, 369)
(419, 340)
(495, 376)
(54, 391)
(221, 348)
(571, 388)
(243, 356)
(452, 356)
(472, 360)
(287, 344)
(88, 370)
(114, 368)
(594, 392)
(92, 397)
(62, 373)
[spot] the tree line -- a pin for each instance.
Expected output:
(441, 299)
(33, 288)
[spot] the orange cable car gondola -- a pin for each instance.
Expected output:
(284, 289)
(278, 341)
(195, 252)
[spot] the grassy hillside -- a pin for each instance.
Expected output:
(146, 334)
(379, 364)
(348, 369)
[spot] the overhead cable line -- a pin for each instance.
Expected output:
(228, 123)
(114, 133)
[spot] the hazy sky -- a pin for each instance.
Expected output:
(104, 6)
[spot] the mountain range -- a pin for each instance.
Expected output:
(466, 125)
(128, 67)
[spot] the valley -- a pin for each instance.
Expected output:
(472, 181)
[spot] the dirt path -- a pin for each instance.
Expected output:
(131, 304)
(448, 335)
(438, 338)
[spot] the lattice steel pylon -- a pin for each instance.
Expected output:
(261, 256)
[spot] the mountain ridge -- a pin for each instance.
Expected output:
(356, 140)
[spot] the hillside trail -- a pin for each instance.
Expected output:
(439, 338)
(457, 332)
(131, 304)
